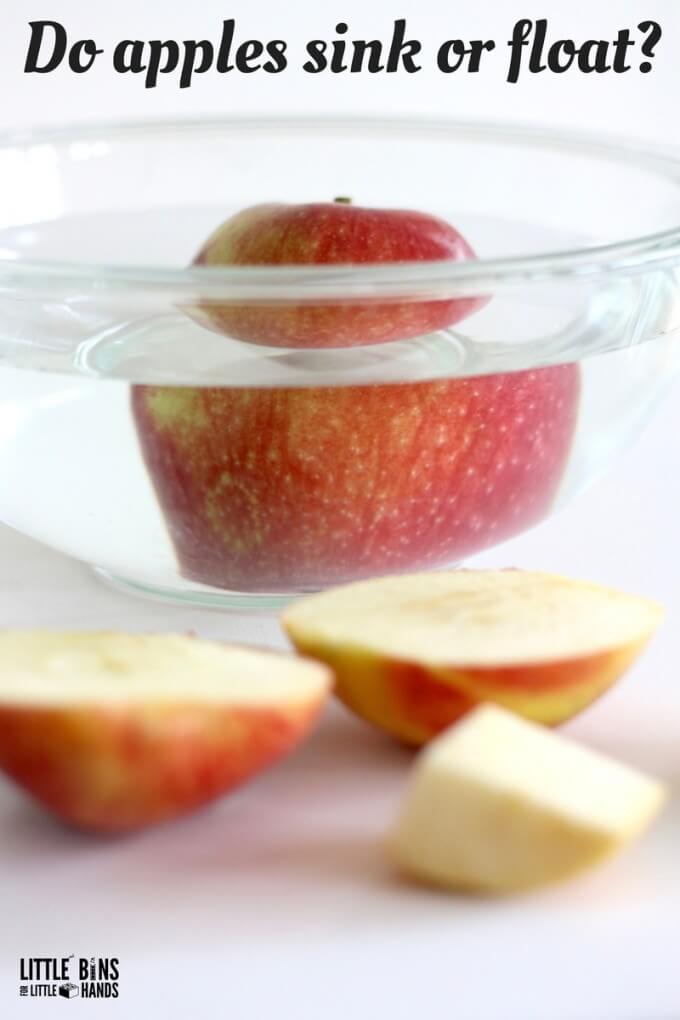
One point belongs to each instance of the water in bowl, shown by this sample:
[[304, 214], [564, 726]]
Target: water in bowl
[[77, 473]]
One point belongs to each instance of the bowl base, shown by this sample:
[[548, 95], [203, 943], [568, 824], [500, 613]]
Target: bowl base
[[242, 602]]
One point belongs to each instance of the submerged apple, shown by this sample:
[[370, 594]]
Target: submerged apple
[[281, 489], [333, 233], [275, 490]]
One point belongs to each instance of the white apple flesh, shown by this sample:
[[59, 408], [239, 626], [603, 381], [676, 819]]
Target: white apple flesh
[[498, 804]]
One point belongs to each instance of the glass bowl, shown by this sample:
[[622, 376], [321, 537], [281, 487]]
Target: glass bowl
[[183, 462]]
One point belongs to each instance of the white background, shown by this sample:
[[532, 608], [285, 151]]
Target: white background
[[277, 903]]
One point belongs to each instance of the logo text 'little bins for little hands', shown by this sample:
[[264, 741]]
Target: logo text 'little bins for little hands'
[[68, 977]]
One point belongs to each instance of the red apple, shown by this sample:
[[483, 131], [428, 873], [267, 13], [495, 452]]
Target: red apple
[[276, 490], [412, 654], [332, 234], [114, 732]]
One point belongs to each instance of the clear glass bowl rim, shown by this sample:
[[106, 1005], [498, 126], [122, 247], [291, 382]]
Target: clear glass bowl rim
[[418, 280]]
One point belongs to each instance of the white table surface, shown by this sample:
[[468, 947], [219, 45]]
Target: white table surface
[[277, 902]]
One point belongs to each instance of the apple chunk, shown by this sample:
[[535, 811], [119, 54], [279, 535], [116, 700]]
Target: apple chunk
[[117, 731], [412, 654], [499, 804]]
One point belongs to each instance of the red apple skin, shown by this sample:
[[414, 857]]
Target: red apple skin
[[113, 770], [332, 234], [415, 703], [297, 489]]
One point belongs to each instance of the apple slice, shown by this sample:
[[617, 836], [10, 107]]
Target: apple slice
[[117, 731], [498, 804], [412, 654]]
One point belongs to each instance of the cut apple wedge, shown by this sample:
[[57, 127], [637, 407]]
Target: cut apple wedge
[[118, 731], [413, 653], [498, 804]]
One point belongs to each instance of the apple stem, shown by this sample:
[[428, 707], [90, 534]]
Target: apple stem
[[343, 200]]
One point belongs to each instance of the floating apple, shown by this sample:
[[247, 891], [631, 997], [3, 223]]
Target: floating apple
[[332, 233], [498, 805], [282, 489], [412, 654], [114, 732]]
